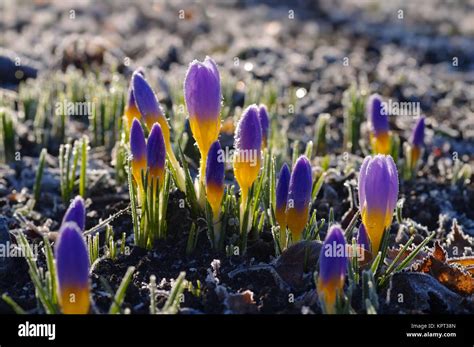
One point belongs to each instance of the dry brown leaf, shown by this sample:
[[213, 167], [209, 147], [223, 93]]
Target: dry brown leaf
[[457, 241], [466, 262], [452, 276], [242, 303]]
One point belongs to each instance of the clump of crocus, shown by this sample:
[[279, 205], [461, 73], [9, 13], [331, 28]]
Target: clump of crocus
[[332, 268], [265, 124], [131, 110], [138, 150], [202, 93], [156, 155], [281, 198], [248, 145], [215, 184], [152, 113], [76, 212], [415, 147], [379, 128], [378, 192], [299, 197]]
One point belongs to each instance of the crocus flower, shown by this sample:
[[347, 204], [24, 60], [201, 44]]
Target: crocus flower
[[264, 123], [72, 266], [76, 212], [152, 113], [156, 155], [363, 239], [215, 178], [417, 142], [299, 197], [138, 149], [378, 192], [131, 109], [147, 102], [380, 132], [281, 196], [202, 93], [248, 144], [332, 268]]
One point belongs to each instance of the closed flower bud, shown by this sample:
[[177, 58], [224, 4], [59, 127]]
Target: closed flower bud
[[248, 144], [202, 93], [72, 266], [299, 197], [363, 239], [156, 154], [265, 124], [282, 196], [417, 141], [378, 192], [332, 268], [131, 109], [138, 149], [380, 132], [76, 213], [215, 178]]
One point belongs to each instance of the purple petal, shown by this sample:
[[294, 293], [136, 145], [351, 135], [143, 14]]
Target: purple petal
[[156, 149], [393, 186], [363, 238], [248, 135], [417, 137], [215, 165], [72, 260], [264, 120], [377, 184], [145, 98], [378, 120], [362, 174], [137, 141], [76, 213], [202, 90], [333, 257], [301, 182], [282, 187]]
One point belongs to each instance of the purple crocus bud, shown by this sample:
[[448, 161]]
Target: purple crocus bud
[[378, 194], [264, 123], [138, 149], [76, 213], [332, 268], [156, 154], [131, 110], [282, 196], [215, 178], [418, 135], [248, 144], [363, 239], [380, 135], [202, 93], [146, 101], [299, 197], [72, 267], [417, 141]]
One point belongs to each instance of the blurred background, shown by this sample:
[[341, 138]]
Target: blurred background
[[420, 51]]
